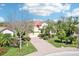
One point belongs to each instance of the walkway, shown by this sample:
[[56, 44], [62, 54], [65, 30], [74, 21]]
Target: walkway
[[45, 48]]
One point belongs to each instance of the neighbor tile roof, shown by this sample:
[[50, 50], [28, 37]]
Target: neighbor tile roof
[[37, 23]]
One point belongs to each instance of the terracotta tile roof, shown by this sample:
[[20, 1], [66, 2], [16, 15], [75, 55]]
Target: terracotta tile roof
[[37, 23]]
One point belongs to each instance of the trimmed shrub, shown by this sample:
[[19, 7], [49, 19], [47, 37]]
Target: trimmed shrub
[[41, 35], [71, 39], [45, 37], [28, 38]]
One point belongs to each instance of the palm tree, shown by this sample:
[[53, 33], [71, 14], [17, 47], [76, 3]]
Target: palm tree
[[5, 40], [1, 37], [65, 29]]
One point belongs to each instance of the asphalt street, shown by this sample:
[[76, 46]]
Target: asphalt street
[[65, 53]]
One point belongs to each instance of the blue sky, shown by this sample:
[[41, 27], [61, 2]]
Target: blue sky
[[41, 11]]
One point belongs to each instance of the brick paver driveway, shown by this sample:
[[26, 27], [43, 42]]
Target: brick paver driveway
[[45, 48], [42, 46]]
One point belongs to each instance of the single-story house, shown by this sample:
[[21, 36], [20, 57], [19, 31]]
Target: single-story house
[[5, 30]]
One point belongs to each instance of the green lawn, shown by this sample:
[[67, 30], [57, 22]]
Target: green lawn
[[24, 51], [57, 44]]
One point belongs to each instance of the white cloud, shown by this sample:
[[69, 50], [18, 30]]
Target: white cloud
[[2, 19], [37, 19], [74, 12], [45, 9], [2, 4]]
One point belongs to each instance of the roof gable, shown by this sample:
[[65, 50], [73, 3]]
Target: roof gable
[[7, 29]]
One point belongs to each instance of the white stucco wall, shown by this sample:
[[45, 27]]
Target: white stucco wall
[[36, 29], [8, 32], [43, 25]]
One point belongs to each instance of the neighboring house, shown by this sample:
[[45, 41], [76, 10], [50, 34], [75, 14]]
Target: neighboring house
[[5, 30], [39, 25]]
